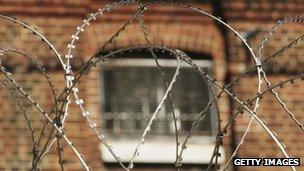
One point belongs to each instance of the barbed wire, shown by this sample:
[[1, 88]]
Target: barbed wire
[[59, 112]]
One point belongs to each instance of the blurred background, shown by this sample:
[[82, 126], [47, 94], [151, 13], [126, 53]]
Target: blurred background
[[123, 92]]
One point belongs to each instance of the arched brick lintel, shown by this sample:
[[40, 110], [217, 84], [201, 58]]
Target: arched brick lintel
[[195, 37]]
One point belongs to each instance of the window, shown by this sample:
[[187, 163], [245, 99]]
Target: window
[[132, 89]]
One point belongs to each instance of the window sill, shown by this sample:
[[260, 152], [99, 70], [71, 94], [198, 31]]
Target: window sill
[[160, 151]]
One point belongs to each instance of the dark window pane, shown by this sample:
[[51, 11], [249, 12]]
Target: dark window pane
[[133, 93]]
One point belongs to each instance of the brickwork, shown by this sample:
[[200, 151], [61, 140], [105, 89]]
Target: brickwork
[[258, 143], [173, 27]]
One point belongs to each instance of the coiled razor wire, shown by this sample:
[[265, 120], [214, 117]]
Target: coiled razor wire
[[70, 93]]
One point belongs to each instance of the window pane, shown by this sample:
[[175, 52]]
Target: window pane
[[133, 93]]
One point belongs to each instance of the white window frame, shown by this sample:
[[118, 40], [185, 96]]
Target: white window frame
[[200, 148]]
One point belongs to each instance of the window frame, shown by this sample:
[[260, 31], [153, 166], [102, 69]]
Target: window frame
[[199, 142]]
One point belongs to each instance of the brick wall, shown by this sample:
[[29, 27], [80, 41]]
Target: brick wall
[[262, 15], [173, 27]]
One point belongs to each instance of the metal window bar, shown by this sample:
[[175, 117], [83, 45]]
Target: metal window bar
[[132, 89]]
